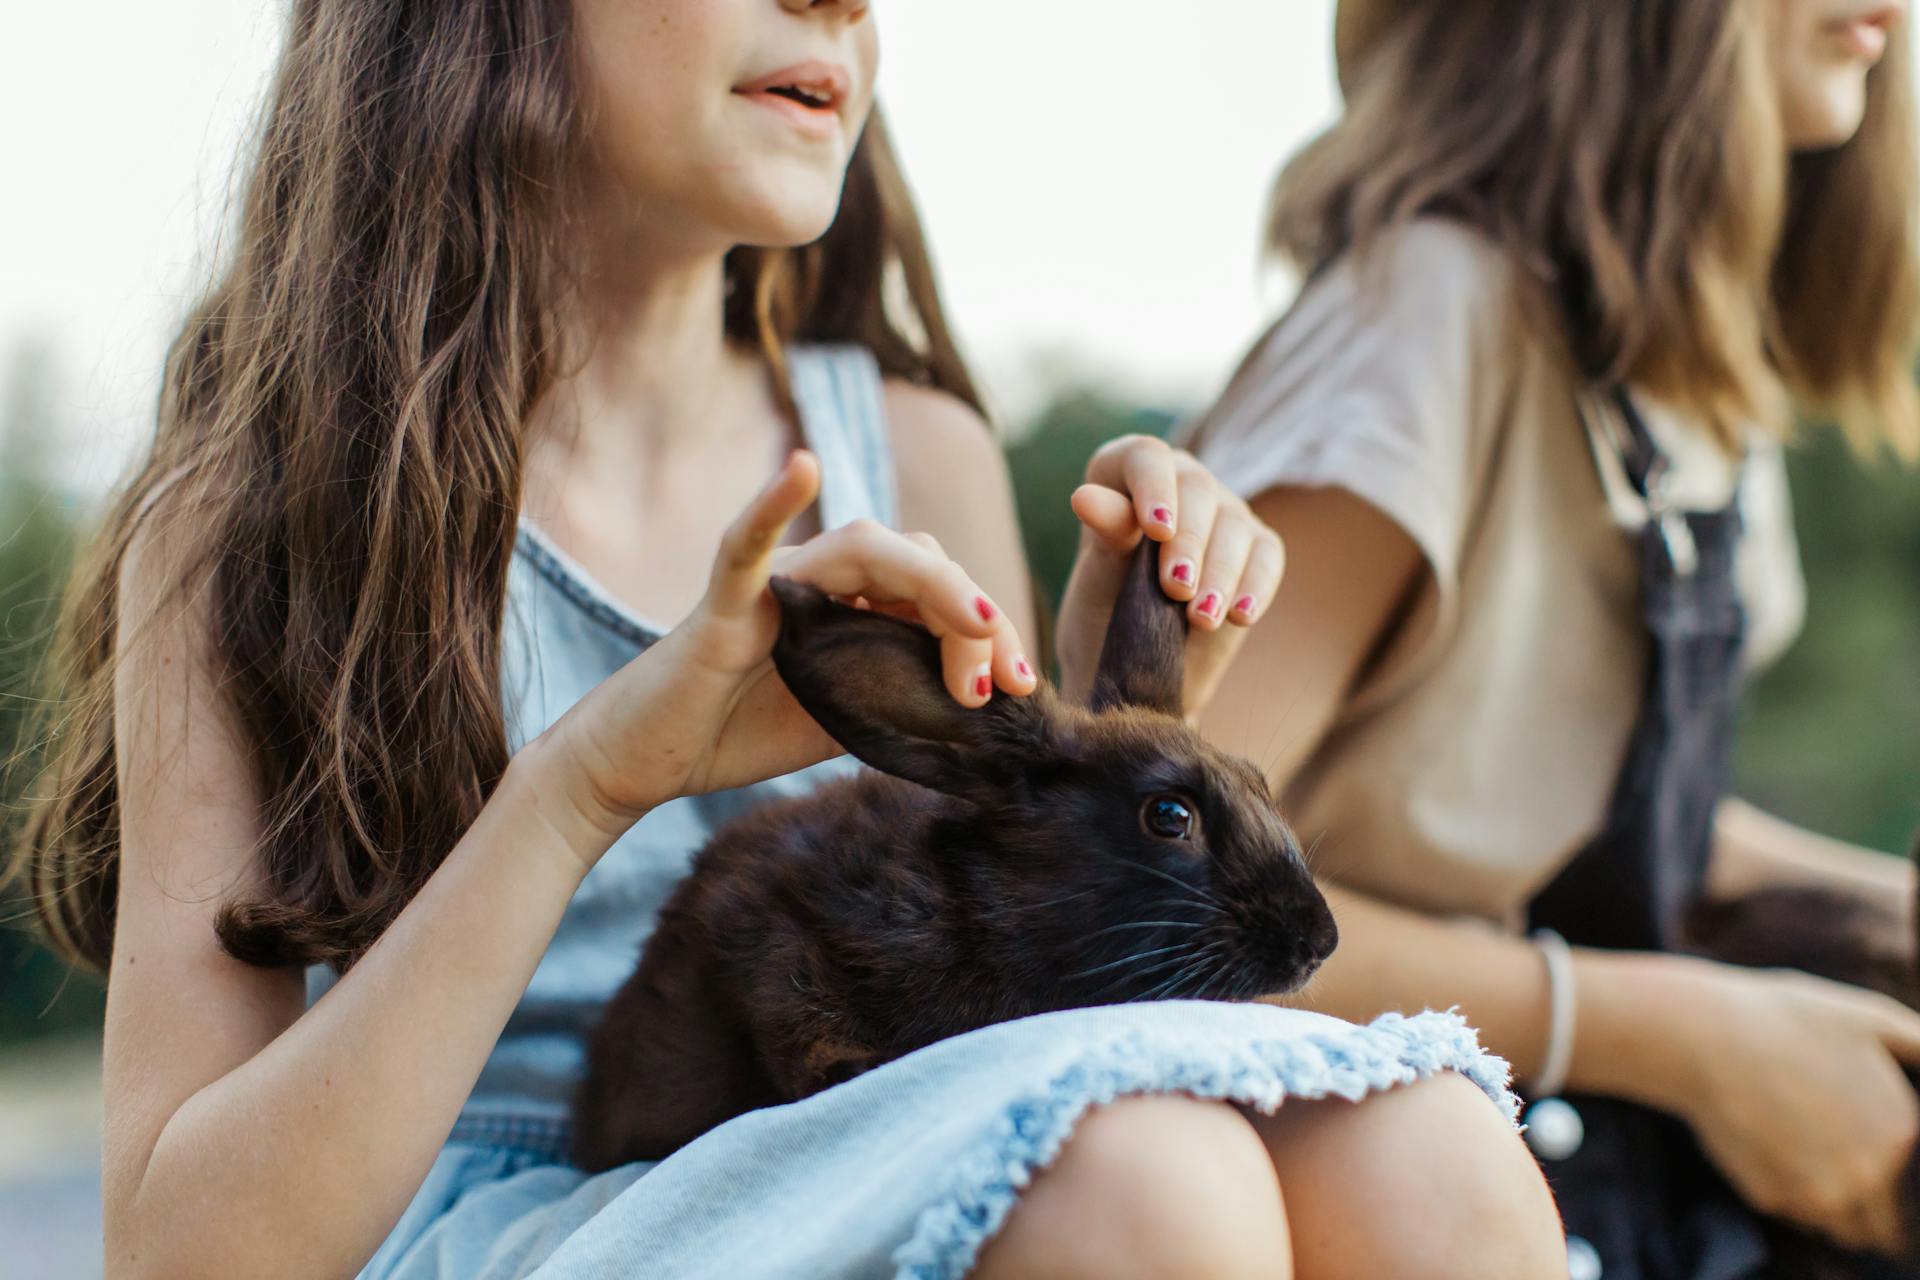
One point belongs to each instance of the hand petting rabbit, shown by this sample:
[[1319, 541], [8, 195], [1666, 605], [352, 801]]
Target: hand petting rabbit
[[1215, 556], [1842, 939], [1015, 858]]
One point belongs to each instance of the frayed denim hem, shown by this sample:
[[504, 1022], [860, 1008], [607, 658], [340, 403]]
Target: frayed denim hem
[[1351, 1063]]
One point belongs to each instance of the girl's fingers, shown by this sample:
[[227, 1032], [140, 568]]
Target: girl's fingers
[[868, 559], [1898, 1029], [1184, 558], [1108, 514], [973, 668], [745, 561], [967, 667], [1227, 553], [900, 574], [1877, 1224], [1144, 467], [1260, 580]]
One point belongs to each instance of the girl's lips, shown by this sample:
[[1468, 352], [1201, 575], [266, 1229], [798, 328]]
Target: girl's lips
[[817, 121], [1865, 35], [809, 94], [1864, 40]]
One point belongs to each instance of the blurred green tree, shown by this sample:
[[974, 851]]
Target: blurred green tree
[[1832, 732], [39, 996]]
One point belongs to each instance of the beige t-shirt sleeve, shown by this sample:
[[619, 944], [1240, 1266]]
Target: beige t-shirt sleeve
[[1387, 378]]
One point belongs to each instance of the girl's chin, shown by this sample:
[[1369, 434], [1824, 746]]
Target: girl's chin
[[1826, 117], [787, 225]]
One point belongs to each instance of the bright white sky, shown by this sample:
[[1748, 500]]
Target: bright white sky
[[1091, 171]]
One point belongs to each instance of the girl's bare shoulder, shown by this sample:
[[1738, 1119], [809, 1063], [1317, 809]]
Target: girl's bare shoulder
[[954, 484], [932, 429], [947, 459]]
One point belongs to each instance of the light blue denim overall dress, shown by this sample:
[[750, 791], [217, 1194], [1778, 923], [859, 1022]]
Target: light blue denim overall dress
[[904, 1171]]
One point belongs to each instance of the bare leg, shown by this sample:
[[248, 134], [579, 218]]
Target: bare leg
[[1424, 1182], [1150, 1188]]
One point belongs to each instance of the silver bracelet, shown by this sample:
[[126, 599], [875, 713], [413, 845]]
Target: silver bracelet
[[1552, 1076]]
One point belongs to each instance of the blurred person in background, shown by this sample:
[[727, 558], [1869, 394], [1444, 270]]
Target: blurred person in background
[[1570, 270], [420, 655]]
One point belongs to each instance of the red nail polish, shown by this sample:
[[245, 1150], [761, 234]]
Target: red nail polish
[[1163, 515], [1211, 605], [1243, 605], [984, 609], [982, 686], [1183, 571], [1024, 669]]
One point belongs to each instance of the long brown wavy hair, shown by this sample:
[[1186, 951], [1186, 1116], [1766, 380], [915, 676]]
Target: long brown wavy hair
[[1629, 157], [340, 430]]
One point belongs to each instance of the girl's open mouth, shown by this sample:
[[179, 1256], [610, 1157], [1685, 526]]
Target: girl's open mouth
[[809, 94]]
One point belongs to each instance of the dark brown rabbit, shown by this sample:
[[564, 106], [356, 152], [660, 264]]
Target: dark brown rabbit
[[1027, 856], [1844, 939]]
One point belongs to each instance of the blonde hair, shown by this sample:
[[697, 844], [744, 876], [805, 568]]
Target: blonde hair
[[1629, 157]]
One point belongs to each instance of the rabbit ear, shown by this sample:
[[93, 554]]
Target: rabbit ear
[[874, 683], [1143, 662]]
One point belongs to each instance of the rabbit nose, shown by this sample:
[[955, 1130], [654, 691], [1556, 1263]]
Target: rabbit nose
[[1325, 934], [1311, 950]]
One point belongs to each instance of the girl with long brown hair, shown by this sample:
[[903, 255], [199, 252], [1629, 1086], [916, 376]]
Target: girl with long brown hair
[[1567, 268], [420, 655]]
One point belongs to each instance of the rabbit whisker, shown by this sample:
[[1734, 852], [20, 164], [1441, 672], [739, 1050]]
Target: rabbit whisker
[[1126, 960], [1195, 967], [1209, 976], [1200, 972], [1147, 972], [1148, 924], [1054, 902], [1165, 988], [1180, 884]]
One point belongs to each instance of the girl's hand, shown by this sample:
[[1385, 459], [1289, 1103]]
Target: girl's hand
[[1216, 556], [704, 709], [1793, 1085]]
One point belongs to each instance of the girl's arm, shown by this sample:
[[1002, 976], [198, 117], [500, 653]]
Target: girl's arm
[[242, 1137], [1792, 1083], [246, 1137], [1755, 850]]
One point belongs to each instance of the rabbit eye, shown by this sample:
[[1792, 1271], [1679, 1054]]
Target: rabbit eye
[[1168, 817]]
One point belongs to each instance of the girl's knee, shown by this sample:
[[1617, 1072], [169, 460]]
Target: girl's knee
[[1424, 1182], [1150, 1187], [1492, 1206]]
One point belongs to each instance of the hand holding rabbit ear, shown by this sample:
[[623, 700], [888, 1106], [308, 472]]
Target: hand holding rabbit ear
[[1216, 556], [704, 710]]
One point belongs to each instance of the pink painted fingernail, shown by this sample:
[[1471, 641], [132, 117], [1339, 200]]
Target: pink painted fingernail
[[1183, 571], [1210, 605], [983, 681], [1163, 515], [1022, 667], [1244, 605], [982, 607]]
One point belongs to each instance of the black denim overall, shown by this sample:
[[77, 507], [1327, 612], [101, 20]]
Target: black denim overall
[[1638, 1189]]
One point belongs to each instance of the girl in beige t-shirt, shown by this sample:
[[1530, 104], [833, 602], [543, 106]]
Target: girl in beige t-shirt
[[1524, 207]]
